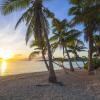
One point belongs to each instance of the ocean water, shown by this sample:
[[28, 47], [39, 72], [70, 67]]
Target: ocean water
[[19, 67]]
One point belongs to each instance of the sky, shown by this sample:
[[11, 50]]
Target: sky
[[11, 39]]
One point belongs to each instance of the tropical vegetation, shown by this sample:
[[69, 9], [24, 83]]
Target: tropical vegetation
[[35, 17], [87, 12], [64, 35]]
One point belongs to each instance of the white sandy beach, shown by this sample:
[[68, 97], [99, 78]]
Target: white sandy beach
[[35, 86]]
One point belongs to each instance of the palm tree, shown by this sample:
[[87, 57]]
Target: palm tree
[[35, 16], [75, 47], [38, 51], [87, 12], [62, 36], [97, 44]]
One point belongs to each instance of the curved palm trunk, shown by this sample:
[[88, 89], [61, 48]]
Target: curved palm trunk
[[76, 55], [45, 61], [39, 29], [69, 59], [90, 64], [83, 61], [77, 64], [97, 50], [52, 76], [62, 66]]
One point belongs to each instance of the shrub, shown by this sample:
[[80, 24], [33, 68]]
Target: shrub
[[96, 63]]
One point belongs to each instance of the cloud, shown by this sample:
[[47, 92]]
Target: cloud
[[9, 37]]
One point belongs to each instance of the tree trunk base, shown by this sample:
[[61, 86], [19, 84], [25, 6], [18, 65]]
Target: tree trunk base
[[72, 70], [91, 73], [52, 79]]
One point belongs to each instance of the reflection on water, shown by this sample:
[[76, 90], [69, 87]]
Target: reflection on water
[[19, 67], [3, 68]]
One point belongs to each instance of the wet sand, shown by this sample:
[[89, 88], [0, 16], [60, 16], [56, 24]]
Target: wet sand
[[78, 85]]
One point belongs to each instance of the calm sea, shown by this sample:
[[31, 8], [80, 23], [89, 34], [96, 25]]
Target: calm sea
[[19, 67]]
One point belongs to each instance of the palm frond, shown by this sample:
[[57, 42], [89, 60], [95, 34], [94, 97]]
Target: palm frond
[[34, 54], [26, 16], [8, 6], [48, 13]]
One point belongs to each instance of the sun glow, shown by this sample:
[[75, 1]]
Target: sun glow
[[6, 54], [3, 68]]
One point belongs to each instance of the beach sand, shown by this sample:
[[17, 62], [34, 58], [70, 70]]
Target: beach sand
[[34, 86]]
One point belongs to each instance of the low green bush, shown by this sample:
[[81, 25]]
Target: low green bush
[[96, 64]]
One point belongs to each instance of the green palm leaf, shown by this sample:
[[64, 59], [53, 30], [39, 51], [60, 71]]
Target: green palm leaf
[[9, 6]]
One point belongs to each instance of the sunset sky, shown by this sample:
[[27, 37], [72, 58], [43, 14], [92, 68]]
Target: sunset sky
[[11, 39]]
